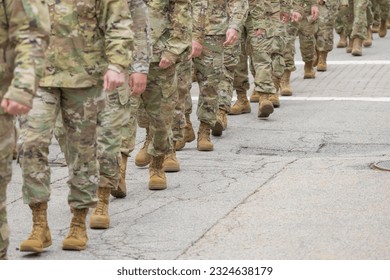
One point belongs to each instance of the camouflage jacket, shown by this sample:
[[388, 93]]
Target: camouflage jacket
[[170, 25], [142, 41], [87, 36], [225, 14], [24, 35], [304, 6], [272, 22], [199, 8]]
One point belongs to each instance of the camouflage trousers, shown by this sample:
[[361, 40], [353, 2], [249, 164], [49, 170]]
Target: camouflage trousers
[[157, 108], [340, 22], [209, 73], [129, 127], [241, 72], [267, 59], [184, 75], [79, 109], [325, 25], [381, 9], [109, 137], [7, 142], [356, 19], [231, 58], [305, 31]]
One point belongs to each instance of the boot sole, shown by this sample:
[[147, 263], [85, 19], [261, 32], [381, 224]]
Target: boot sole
[[217, 129], [99, 226], [141, 163], [73, 248], [171, 168], [118, 193], [246, 111], [35, 249], [157, 187], [266, 111]]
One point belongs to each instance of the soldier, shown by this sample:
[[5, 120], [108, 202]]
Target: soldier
[[231, 58], [356, 25], [137, 82], [324, 31], [305, 30], [88, 53], [221, 30], [171, 37], [116, 114], [24, 34]]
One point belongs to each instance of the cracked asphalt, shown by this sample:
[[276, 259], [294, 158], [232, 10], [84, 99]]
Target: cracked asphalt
[[298, 185]]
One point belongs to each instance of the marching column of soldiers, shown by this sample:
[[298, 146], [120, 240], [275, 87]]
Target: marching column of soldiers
[[89, 72]]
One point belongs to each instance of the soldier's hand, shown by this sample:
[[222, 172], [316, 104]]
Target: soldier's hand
[[284, 17], [137, 83], [231, 37], [113, 79], [295, 16], [165, 63], [314, 12], [259, 32], [14, 108], [196, 50]]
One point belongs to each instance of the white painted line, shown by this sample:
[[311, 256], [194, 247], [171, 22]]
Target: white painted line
[[353, 62], [330, 98], [326, 98]]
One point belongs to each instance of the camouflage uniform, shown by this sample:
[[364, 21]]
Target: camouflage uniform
[[76, 89], [170, 38], [24, 33], [305, 30], [326, 22], [209, 67], [141, 59], [231, 58], [357, 19]]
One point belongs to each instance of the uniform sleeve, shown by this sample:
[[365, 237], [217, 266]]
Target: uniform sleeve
[[180, 34], [238, 10], [199, 8], [142, 40], [258, 14], [29, 32], [115, 21]]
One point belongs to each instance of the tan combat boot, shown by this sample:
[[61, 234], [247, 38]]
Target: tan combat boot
[[309, 72], [254, 98], [171, 163], [368, 41], [120, 191], [241, 106], [285, 87], [357, 47], [100, 219], [349, 47], [143, 158], [265, 106], [40, 236], [322, 66], [188, 135], [388, 23], [274, 98], [204, 142], [382, 29], [77, 237], [157, 179], [3, 254], [342, 43], [220, 124]]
